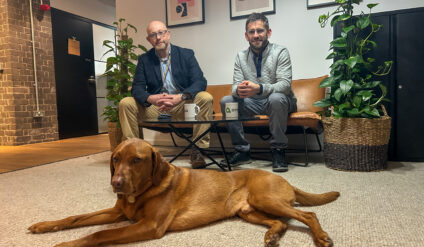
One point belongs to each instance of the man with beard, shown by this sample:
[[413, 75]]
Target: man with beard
[[261, 86], [166, 78]]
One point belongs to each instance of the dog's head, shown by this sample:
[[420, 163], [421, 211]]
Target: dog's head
[[135, 166]]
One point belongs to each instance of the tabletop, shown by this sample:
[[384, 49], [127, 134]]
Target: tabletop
[[210, 119]]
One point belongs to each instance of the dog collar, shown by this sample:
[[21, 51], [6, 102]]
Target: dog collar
[[131, 199]]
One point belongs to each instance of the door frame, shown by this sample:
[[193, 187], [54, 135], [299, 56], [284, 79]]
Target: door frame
[[90, 22]]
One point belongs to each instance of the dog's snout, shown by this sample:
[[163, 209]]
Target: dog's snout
[[118, 182]]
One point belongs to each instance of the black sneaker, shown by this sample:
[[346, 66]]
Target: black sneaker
[[238, 158], [278, 162]]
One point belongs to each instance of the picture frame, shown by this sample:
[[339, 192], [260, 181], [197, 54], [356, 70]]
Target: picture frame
[[312, 4], [242, 8], [184, 12]]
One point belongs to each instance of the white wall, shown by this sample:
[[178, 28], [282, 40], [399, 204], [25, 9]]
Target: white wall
[[98, 10], [217, 42]]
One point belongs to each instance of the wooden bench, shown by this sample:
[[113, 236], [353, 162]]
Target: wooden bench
[[304, 121]]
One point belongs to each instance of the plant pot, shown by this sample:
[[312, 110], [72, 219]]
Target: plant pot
[[115, 135], [356, 144]]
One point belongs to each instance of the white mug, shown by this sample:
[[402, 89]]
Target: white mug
[[231, 110], [191, 111]]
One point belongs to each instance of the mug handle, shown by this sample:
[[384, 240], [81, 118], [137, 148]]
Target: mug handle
[[196, 110]]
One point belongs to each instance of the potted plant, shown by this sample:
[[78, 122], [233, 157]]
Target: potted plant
[[356, 125], [120, 70]]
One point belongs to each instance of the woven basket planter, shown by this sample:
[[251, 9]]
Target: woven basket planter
[[115, 134], [356, 144]]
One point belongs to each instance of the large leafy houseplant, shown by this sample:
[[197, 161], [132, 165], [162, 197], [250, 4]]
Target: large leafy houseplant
[[120, 68], [356, 126], [355, 91]]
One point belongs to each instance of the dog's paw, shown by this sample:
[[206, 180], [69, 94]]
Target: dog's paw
[[324, 241], [272, 240], [67, 244], [41, 227]]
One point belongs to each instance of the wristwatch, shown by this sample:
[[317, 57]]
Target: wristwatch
[[184, 96]]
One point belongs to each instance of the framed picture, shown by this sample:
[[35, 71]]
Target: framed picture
[[310, 4], [184, 12], [243, 8]]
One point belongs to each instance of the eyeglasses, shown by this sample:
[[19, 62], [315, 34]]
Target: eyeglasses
[[260, 31], [158, 34]]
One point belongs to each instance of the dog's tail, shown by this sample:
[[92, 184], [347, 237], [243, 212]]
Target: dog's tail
[[308, 199]]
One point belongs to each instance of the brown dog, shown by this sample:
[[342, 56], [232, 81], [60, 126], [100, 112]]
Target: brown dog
[[161, 197]]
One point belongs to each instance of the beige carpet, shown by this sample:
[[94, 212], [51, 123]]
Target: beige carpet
[[375, 209]]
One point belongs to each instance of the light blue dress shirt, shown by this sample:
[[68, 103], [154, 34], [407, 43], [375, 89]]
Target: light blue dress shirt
[[166, 73]]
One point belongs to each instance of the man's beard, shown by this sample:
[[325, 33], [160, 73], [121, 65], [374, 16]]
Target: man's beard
[[260, 48], [161, 46]]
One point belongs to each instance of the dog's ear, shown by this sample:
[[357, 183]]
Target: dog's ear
[[160, 167], [112, 168]]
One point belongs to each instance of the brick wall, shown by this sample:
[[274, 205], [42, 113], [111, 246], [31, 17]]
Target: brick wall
[[17, 90]]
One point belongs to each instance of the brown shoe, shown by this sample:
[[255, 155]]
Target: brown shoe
[[196, 159]]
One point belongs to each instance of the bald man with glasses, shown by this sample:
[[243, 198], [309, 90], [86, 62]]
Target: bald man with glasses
[[166, 78]]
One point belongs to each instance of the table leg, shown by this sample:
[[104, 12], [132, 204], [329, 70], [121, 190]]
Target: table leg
[[193, 144], [222, 146]]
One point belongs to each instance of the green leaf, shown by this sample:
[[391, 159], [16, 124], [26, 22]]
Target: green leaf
[[338, 94], [344, 17], [357, 100], [338, 77], [143, 48], [363, 22], [383, 89], [344, 105], [374, 112], [339, 42], [348, 29], [357, 86], [372, 84], [327, 82], [331, 55], [345, 86], [371, 5], [337, 114], [133, 56], [322, 18], [376, 27], [322, 103], [334, 20], [351, 62], [337, 63], [366, 94], [353, 112], [131, 26], [372, 43]]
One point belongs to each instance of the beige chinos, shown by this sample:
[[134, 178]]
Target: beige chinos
[[131, 113]]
